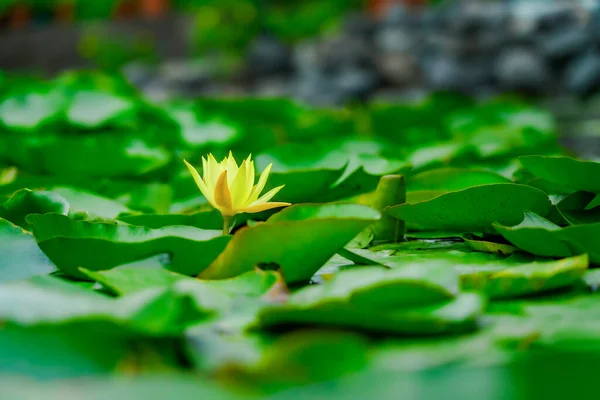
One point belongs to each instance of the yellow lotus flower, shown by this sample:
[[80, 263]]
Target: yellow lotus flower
[[230, 189]]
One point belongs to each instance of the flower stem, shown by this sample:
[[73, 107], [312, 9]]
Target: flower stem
[[226, 224]]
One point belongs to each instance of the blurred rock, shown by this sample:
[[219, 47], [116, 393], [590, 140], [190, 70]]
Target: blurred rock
[[444, 72], [468, 19], [594, 24], [187, 76], [476, 72], [396, 15], [139, 74], [556, 18], [344, 51], [158, 91], [355, 82], [273, 87], [317, 89], [394, 39], [267, 56], [521, 68], [359, 25], [564, 43], [481, 48], [413, 95], [398, 69], [430, 18], [306, 57], [583, 74]]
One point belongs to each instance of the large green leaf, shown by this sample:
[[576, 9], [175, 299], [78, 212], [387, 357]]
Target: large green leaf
[[351, 166], [452, 179], [84, 203], [59, 352], [31, 110], [95, 109], [101, 246], [156, 311], [475, 209], [20, 257], [303, 351], [566, 171], [411, 299], [125, 280], [378, 287], [526, 279], [25, 202], [431, 184], [457, 315], [539, 236], [323, 229], [101, 155], [494, 274], [579, 208], [204, 220]]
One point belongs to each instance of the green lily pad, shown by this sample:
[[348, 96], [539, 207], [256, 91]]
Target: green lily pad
[[535, 277], [124, 280], [457, 315], [475, 209], [20, 257], [25, 202], [95, 109], [374, 298], [204, 220], [293, 229], [101, 246], [299, 169], [566, 171], [278, 368], [87, 155], [89, 204], [59, 353], [32, 110], [452, 179], [578, 208], [541, 237], [393, 289], [162, 311]]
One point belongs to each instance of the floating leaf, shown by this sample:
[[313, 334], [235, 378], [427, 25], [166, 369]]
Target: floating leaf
[[158, 311], [25, 202], [476, 208], [279, 366], [535, 277], [20, 257], [539, 236], [124, 280], [457, 315], [87, 156], [101, 246], [452, 179], [577, 208], [576, 174], [31, 110], [294, 230], [95, 109], [90, 204], [59, 353]]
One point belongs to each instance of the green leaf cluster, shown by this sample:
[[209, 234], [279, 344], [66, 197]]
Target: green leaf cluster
[[445, 245]]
